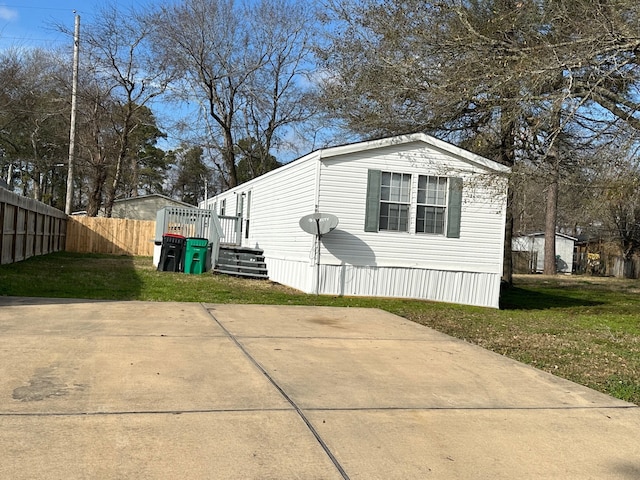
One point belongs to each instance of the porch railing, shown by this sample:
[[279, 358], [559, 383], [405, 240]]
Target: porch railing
[[231, 229]]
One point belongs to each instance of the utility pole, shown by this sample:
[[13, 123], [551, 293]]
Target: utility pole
[[74, 107]]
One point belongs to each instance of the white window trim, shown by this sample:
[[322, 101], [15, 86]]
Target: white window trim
[[452, 212], [444, 205]]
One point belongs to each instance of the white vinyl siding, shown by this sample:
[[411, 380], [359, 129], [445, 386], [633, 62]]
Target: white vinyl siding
[[278, 200], [481, 225]]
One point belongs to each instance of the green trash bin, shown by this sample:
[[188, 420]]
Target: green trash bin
[[196, 257]]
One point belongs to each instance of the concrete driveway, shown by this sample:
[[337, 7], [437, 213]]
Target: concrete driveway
[[141, 390]]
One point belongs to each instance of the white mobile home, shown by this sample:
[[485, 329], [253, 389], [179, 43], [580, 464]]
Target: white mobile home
[[418, 218]]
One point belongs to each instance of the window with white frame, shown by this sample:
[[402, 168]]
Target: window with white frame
[[431, 204], [395, 199], [435, 203]]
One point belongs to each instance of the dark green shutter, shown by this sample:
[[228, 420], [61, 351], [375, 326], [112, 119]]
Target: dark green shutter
[[372, 213], [454, 209]]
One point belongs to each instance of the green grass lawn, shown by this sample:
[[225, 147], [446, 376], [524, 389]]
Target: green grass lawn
[[586, 329]]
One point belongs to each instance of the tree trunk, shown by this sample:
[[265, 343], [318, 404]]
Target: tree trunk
[[551, 213], [112, 191], [550, 227], [95, 195], [37, 184], [507, 158], [113, 188], [37, 174], [230, 158], [507, 265], [135, 176]]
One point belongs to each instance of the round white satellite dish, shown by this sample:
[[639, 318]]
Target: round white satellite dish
[[318, 223]]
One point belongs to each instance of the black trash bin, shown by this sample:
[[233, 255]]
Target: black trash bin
[[172, 253]]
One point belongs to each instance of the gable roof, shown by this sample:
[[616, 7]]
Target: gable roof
[[542, 234], [449, 148], [152, 195]]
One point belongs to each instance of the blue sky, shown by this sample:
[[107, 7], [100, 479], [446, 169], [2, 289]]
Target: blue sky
[[30, 23]]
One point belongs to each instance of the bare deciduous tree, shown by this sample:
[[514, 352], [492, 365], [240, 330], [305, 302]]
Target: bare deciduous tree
[[33, 119], [116, 46], [242, 63]]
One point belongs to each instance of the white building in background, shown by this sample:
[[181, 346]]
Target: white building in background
[[534, 243]]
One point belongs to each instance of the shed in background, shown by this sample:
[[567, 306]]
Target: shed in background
[[534, 243], [144, 207]]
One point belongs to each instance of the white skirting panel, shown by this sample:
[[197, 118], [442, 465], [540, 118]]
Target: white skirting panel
[[469, 288], [296, 274]]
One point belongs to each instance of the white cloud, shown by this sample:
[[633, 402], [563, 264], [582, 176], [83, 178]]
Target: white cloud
[[8, 14]]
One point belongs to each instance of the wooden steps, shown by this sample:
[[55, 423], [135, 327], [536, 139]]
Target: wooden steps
[[241, 262]]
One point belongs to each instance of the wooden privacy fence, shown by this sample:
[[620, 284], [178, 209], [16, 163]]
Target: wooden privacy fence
[[625, 268], [29, 228], [117, 236]]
